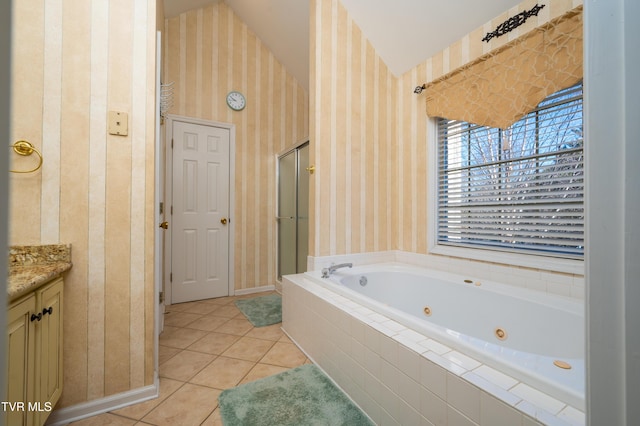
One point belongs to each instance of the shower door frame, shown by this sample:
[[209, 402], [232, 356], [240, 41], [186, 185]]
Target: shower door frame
[[287, 151]]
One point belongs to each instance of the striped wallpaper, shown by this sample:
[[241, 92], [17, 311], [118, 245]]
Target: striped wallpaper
[[73, 61], [369, 133], [353, 138], [209, 52]]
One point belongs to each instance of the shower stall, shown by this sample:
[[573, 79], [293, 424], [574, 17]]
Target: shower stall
[[292, 215]]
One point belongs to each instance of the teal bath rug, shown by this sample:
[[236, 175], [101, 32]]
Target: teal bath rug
[[300, 396], [262, 310]]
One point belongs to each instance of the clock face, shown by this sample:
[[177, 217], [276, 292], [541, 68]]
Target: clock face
[[236, 101]]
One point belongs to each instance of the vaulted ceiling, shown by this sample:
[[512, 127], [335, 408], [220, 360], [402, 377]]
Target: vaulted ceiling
[[403, 32]]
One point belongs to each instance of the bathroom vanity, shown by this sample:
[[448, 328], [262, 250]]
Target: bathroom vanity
[[34, 338]]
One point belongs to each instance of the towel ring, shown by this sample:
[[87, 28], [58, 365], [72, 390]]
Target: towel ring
[[25, 149]]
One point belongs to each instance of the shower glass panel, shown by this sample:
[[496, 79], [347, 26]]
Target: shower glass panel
[[286, 215], [293, 211]]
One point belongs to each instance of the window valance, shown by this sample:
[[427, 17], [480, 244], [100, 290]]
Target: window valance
[[501, 86]]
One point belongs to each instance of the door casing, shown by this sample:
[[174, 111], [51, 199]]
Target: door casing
[[171, 119]]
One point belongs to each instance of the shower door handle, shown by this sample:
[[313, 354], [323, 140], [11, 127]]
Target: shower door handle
[[283, 217]]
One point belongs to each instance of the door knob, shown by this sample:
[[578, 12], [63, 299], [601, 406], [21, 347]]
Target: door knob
[[223, 221], [164, 225]]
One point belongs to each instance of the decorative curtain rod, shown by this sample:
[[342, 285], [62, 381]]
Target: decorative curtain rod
[[513, 23], [502, 29]]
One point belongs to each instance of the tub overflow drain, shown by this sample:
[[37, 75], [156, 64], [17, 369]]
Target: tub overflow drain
[[363, 281], [500, 333], [427, 311]]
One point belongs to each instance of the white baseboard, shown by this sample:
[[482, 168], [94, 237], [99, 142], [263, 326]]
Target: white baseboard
[[243, 291], [73, 413]]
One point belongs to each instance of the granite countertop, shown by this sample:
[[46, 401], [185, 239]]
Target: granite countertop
[[32, 266]]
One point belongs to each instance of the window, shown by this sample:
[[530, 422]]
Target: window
[[519, 189]]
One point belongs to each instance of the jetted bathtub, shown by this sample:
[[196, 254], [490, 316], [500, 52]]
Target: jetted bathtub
[[534, 337]]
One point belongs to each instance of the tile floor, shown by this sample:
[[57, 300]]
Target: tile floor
[[206, 347]]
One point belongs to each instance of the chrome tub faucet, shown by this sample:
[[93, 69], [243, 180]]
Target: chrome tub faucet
[[331, 269]]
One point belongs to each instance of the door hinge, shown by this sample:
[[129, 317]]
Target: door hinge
[[172, 210], [171, 143], [161, 298], [171, 277]]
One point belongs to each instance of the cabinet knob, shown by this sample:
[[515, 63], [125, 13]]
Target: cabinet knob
[[48, 310], [35, 317]]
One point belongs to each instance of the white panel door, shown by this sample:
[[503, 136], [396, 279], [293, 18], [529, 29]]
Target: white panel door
[[200, 236]]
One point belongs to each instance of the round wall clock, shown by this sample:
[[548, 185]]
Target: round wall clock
[[236, 101]]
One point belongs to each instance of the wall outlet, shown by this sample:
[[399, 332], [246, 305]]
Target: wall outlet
[[118, 123]]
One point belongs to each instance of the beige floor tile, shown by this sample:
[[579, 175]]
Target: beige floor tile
[[214, 343], [214, 419], [249, 349], [179, 307], [239, 327], [226, 311], [260, 371], [189, 405], [271, 332], [106, 419], [285, 339], [223, 373], [166, 352], [177, 337], [284, 355], [138, 411], [219, 301], [201, 308], [207, 323], [179, 319], [185, 365], [191, 348]]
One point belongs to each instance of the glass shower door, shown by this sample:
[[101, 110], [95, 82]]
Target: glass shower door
[[286, 215], [293, 211]]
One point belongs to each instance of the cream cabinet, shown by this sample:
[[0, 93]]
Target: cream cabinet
[[34, 349]]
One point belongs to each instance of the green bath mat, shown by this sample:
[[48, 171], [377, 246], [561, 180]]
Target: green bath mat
[[262, 310], [300, 396]]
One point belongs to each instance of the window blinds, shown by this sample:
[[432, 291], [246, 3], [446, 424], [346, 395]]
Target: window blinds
[[520, 188]]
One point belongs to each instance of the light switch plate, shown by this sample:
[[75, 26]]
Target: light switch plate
[[118, 123]]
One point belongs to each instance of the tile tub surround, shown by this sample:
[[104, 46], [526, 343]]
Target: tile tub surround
[[399, 377], [31, 266], [570, 285]]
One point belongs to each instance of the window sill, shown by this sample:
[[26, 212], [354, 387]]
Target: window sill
[[546, 263]]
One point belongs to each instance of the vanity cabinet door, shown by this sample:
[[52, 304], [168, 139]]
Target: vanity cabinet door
[[49, 375], [20, 363], [34, 349]]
